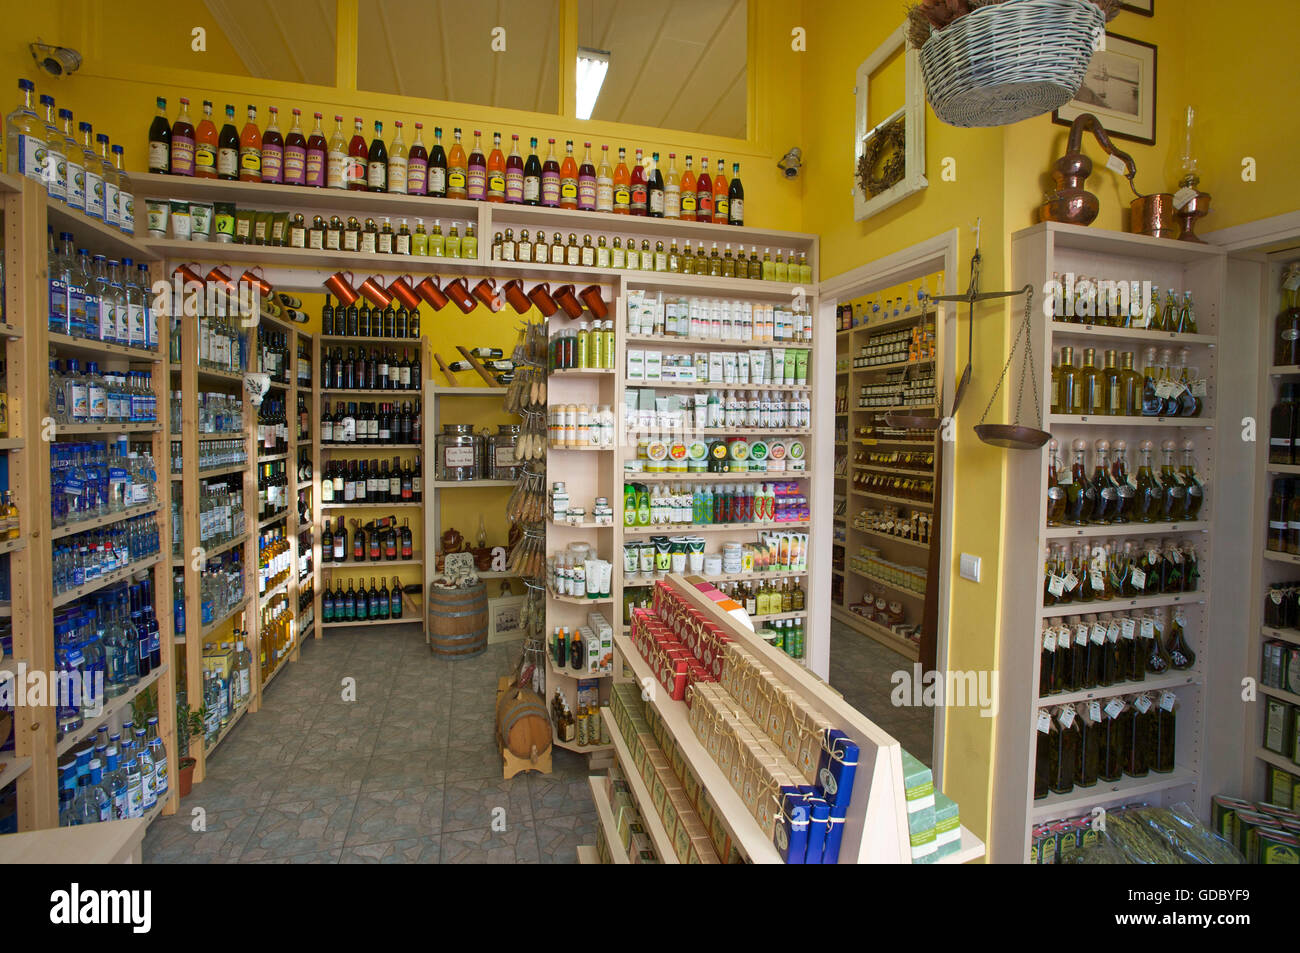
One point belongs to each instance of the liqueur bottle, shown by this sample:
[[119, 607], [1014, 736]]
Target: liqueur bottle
[[1056, 498], [1149, 501], [1125, 485], [1107, 490], [1174, 505], [1080, 494]]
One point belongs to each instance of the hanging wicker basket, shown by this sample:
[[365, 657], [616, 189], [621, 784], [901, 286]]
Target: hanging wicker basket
[[1010, 61]]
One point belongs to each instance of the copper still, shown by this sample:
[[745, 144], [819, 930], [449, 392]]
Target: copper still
[[1071, 202]]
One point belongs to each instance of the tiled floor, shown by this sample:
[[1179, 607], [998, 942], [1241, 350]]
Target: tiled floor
[[408, 772]]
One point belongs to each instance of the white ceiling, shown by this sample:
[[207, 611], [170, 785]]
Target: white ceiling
[[675, 64]]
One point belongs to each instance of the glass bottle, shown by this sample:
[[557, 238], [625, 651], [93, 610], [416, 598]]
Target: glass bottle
[[1125, 485], [250, 149], [1130, 387], [315, 156], [1112, 388], [1279, 534], [1092, 393], [1152, 395], [272, 149], [1107, 489], [1149, 502], [457, 168], [1189, 403], [1080, 494], [398, 161], [1192, 482], [1055, 491], [160, 138], [54, 169], [1170, 313], [1158, 661], [377, 162], [1174, 505], [1120, 566], [1065, 385]]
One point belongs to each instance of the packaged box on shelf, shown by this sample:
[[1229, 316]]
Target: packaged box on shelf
[[635, 364], [918, 789], [653, 365], [947, 825]]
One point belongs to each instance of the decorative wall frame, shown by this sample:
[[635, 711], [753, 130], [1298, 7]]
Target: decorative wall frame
[[911, 116]]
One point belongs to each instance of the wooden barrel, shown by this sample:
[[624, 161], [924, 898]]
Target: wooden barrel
[[522, 722], [458, 621]]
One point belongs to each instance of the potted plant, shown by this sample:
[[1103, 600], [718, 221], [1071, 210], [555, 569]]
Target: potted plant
[[189, 724]]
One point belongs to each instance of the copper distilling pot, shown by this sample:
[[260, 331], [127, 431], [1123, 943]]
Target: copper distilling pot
[[1153, 215], [1071, 202]]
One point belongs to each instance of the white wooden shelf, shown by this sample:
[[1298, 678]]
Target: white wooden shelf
[[1080, 799], [697, 343], [1127, 603], [1152, 683], [1204, 423], [1125, 529], [670, 528]]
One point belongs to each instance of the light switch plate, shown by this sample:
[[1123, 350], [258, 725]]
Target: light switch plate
[[970, 567]]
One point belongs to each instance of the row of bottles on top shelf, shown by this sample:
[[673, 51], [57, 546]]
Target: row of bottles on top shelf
[[358, 319], [360, 424], [371, 368], [1121, 304], [97, 298], [1112, 495], [86, 557], [254, 155], [360, 605], [221, 590], [72, 173], [1083, 572], [117, 775], [1081, 745], [368, 237], [380, 539], [96, 479], [1163, 389], [885, 308], [95, 397], [1083, 652], [373, 481], [110, 639]]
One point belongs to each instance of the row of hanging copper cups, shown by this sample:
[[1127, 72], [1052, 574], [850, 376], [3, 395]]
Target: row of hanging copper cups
[[221, 279], [457, 291]]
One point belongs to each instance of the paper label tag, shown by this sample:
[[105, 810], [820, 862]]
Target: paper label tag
[[1116, 165], [1098, 582], [1139, 578], [1065, 478], [1114, 707], [1056, 585], [1049, 641], [1081, 636], [1044, 721], [1198, 388], [1066, 716], [1094, 711], [1098, 635], [1100, 628], [1292, 281], [1148, 629], [1167, 700], [1127, 628], [1183, 196], [1071, 580], [1142, 703]]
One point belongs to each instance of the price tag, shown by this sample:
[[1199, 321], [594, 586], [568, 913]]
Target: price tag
[[1098, 581], [1094, 711], [1099, 635], [1071, 580], [1065, 478], [1292, 281], [1199, 388], [1114, 707], [1175, 556], [1152, 556], [1183, 196], [1056, 585], [1049, 640], [1044, 721], [1142, 703], [1081, 636], [1128, 628], [1276, 596], [1066, 716], [1116, 165], [1148, 629], [1167, 700], [1139, 578]]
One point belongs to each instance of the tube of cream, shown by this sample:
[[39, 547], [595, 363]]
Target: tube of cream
[[593, 578], [157, 212], [729, 368], [778, 365], [701, 410], [801, 367], [201, 220], [181, 220], [758, 364], [742, 368]]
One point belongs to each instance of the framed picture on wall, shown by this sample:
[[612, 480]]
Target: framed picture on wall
[[1119, 89], [1145, 7]]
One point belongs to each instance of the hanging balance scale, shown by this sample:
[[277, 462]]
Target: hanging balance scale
[[1017, 436]]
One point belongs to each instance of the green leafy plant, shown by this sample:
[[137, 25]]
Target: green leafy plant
[[189, 724]]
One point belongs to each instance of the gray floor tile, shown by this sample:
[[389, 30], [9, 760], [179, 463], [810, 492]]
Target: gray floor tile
[[558, 838], [480, 804], [515, 845], [300, 826], [395, 815], [407, 850]]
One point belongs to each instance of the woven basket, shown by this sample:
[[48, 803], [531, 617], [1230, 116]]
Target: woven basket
[[1010, 61]]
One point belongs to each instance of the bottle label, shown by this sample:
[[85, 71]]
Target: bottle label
[[638, 197], [356, 171], [622, 197], [476, 183], [568, 190], [135, 324], [250, 160], [158, 155], [496, 186], [182, 155], [54, 173], [417, 176], [456, 180], [515, 185], [112, 204], [657, 206], [94, 194], [336, 168], [377, 175], [550, 189], [76, 185], [438, 180], [587, 193], [736, 214], [688, 204], [722, 208], [205, 157], [295, 165], [397, 169]]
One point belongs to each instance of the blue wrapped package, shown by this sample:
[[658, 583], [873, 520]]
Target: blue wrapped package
[[820, 827], [836, 769]]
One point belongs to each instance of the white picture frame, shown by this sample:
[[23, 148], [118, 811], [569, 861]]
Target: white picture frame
[[506, 618], [913, 109]]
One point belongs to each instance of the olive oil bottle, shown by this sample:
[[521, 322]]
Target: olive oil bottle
[[1130, 387], [1125, 485], [1181, 656], [1174, 505], [1080, 494], [1107, 505], [1192, 482], [1067, 388], [1112, 388], [1055, 490], [1149, 502], [1092, 392], [1152, 401]]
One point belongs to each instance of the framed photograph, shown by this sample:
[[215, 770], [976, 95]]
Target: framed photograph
[[1146, 8], [506, 618], [1120, 90]]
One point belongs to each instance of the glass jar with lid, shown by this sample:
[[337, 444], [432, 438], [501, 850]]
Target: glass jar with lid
[[460, 453], [500, 455]]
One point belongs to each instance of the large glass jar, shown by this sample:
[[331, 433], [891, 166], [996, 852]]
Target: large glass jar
[[500, 455], [460, 453]]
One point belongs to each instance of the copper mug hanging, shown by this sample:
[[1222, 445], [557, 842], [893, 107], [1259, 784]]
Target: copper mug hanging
[[540, 295], [595, 303], [430, 292], [514, 293], [188, 276], [400, 288], [258, 281], [373, 288], [459, 294], [222, 280], [486, 291], [569, 301], [341, 284]]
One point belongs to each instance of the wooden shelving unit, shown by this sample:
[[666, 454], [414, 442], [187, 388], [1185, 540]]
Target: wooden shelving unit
[[29, 345], [1038, 253]]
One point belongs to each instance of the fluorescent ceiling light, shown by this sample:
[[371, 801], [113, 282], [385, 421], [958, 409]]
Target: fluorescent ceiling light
[[592, 67]]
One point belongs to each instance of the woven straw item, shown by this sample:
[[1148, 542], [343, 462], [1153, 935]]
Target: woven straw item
[[1010, 61]]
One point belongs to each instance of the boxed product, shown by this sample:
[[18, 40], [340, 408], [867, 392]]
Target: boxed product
[[947, 825], [918, 790]]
